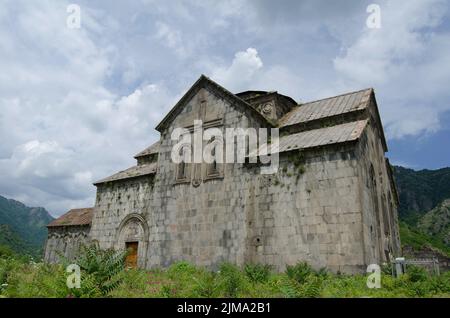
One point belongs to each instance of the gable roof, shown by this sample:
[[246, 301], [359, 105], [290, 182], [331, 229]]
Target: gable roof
[[319, 137], [132, 172], [205, 81], [327, 107], [154, 148], [74, 217]]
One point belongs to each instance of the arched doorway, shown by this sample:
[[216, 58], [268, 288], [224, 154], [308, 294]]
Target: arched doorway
[[133, 234]]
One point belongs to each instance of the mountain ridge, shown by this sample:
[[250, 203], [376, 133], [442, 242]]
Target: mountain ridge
[[23, 228], [420, 191], [424, 209]]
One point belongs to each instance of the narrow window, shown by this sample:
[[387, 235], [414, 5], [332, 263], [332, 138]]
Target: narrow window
[[213, 167], [182, 170], [182, 166]]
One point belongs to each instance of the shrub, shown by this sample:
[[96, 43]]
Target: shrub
[[138, 283], [311, 288], [289, 288], [36, 280], [206, 285], [181, 268], [5, 267], [299, 272], [323, 273], [168, 291], [444, 282], [419, 289], [416, 274], [231, 280], [100, 270], [29, 279], [6, 252], [387, 268], [184, 279], [258, 273]]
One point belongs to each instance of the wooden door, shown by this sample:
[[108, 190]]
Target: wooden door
[[131, 260]]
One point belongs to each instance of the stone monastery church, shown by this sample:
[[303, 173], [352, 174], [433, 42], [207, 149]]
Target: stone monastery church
[[332, 202]]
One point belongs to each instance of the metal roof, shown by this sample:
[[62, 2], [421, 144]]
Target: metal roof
[[319, 137], [132, 172], [154, 148], [314, 110], [74, 217], [327, 107]]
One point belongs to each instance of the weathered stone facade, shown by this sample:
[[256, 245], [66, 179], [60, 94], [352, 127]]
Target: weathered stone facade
[[332, 202], [67, 234]]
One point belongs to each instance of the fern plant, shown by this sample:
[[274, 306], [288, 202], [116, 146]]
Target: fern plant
[[290, 288], [299, 272], [258, 273], [206, 286], [231, 280], [100, 270], [311, 288]]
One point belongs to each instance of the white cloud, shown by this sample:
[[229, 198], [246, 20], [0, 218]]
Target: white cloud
[[76, 104], [407, 62], [88, 144], [61, 127], [241, 72], [247, 71], [172, 38]]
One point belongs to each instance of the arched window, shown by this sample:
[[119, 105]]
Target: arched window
[[213, 168], [182, 167]]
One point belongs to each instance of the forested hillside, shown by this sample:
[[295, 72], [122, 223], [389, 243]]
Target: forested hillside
[[23, 228]]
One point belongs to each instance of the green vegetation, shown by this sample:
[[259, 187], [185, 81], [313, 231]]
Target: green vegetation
[[103, 275], [420, 191], [100, 270], [424, 211], [23, 229], [436, 223], [9, 238], [411, 236]]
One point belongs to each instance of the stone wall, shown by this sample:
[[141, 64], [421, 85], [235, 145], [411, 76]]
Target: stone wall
[[428, 253], [379, 207], [121, 214], [310, 216], [205, 224], [66, 241]]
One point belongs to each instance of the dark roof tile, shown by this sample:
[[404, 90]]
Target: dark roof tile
[[74, 217]]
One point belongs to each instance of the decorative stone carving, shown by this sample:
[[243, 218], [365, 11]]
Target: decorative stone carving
[[196, 182], [134, 228], [267, 108]]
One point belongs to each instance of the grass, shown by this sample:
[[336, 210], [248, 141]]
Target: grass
[[410, 236], [24, 278]]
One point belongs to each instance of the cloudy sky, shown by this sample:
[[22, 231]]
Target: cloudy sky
[[77, 103]]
